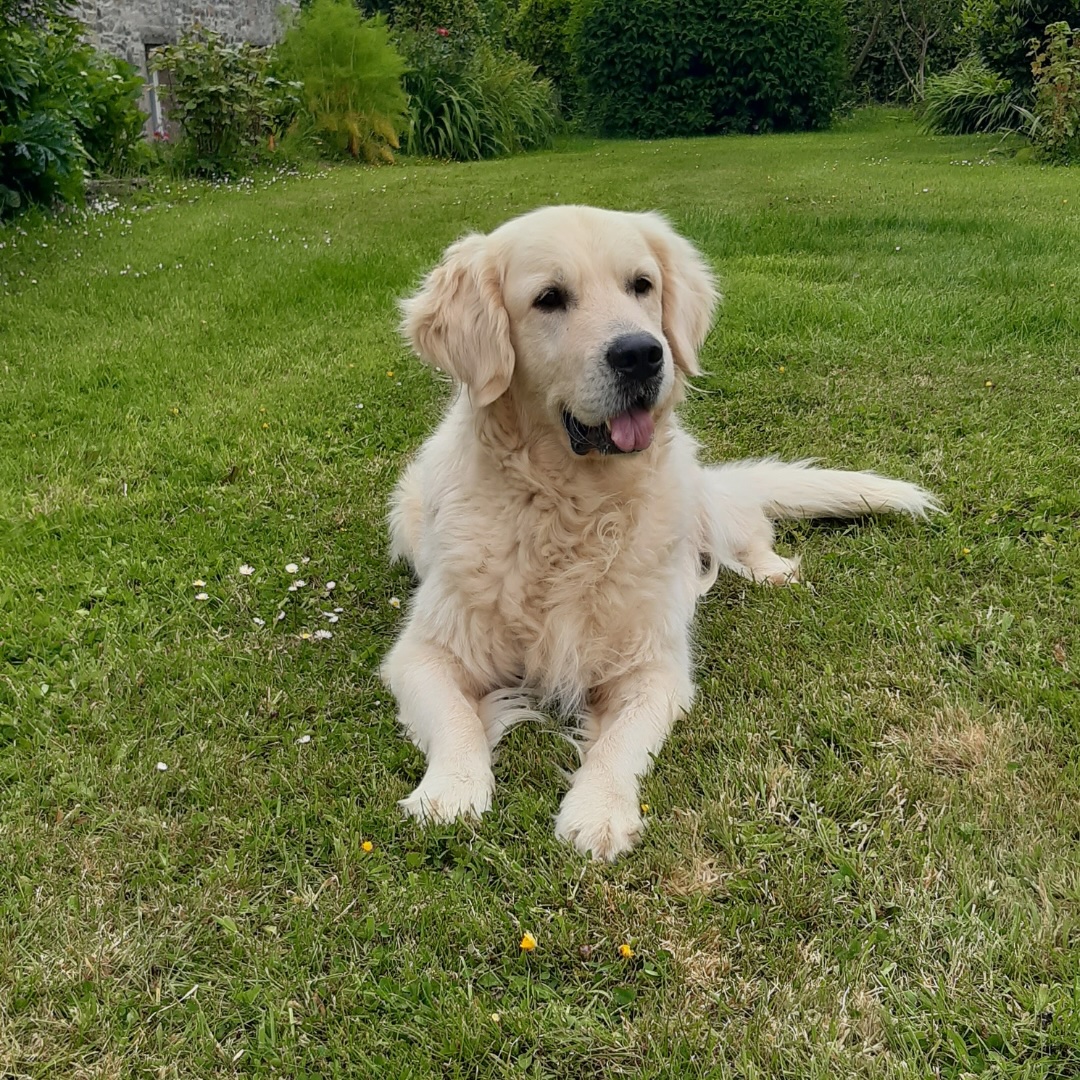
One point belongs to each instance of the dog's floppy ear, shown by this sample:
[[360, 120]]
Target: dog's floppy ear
[[457, 321], [688, 292]]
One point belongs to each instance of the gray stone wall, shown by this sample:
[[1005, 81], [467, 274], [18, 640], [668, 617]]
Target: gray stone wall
[[126, 27]]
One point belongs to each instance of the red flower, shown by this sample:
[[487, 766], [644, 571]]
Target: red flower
[[442, 32]]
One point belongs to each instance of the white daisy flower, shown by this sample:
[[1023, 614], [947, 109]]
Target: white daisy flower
[[304, 740], [322, 635], [395, 602], [330, 616], [259, 622], [291, 568], [246, 570], [161, 767], [202, 596], [198, 583], [330, 586]]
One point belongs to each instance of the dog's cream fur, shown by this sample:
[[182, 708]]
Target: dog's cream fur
[[544, 574]]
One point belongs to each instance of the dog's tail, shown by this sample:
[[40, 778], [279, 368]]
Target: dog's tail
[[798, 490]]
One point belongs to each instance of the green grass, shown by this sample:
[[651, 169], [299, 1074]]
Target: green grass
[[862, 858]]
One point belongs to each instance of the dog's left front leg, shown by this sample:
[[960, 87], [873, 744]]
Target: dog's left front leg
[[601, 814]]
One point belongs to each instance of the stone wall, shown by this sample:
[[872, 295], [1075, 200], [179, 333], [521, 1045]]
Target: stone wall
[[126, 27]]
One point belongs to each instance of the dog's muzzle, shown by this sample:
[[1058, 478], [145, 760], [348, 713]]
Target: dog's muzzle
[[637, 362]]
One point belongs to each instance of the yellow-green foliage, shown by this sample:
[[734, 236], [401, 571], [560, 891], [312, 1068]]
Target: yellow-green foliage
[[353, 101]]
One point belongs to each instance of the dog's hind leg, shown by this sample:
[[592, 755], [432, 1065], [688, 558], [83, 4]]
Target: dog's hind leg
[[441, 717], [738, 535]]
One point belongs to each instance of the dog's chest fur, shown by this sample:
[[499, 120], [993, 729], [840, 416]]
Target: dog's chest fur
[[563, 588]]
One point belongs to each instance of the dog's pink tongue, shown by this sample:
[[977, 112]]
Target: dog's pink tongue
[[632, 430]]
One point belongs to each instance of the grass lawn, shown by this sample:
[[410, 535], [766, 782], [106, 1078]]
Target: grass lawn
[[863, 853]]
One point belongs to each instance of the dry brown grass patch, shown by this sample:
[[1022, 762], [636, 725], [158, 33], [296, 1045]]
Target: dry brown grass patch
[[951, 742]]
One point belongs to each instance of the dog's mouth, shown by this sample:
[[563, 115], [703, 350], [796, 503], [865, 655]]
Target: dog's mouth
[[627, 432]]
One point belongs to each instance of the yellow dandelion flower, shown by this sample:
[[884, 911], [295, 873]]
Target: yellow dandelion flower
[[367, 845], [265, 426], [625, 951], [965, 551], [644, 807], [528, 942], [989, 383], [389, 374], [781, 369]]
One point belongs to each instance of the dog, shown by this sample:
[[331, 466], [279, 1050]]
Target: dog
[[559, 522]]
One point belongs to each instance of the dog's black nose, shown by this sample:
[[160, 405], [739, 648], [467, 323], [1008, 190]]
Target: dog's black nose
[[636, 356]]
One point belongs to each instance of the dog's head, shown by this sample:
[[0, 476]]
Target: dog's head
[[593, 317]]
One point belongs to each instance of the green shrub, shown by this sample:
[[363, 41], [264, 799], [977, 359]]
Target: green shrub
[[469, 100], [541, 34], [1001, 31], [352, 98], [65, 110], [110, 121], [972, 98], [1055, 66], [221, 100], [662, 68]]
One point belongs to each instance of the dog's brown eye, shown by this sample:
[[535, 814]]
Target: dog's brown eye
[[642, 286], [552, 299]]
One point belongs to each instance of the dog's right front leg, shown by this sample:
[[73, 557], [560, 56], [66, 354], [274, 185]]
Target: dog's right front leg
[[441, 718]]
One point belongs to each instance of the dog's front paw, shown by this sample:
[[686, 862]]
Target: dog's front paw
[[598, 820], [443, 797]]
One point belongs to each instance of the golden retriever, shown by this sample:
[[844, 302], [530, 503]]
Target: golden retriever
[[559, 521]]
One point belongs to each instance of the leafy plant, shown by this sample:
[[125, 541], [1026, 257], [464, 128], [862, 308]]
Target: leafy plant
[[1055, 65], [110, 121], [972, 98], [221, 98], [352, 98], [661, 68], [469, 100]]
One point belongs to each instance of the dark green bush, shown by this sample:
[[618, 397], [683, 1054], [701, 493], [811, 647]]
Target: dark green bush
[[1001, 32], [663, 68], [65, 110], [972, 98], [352, 99], [541, 34], [470, 100]]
